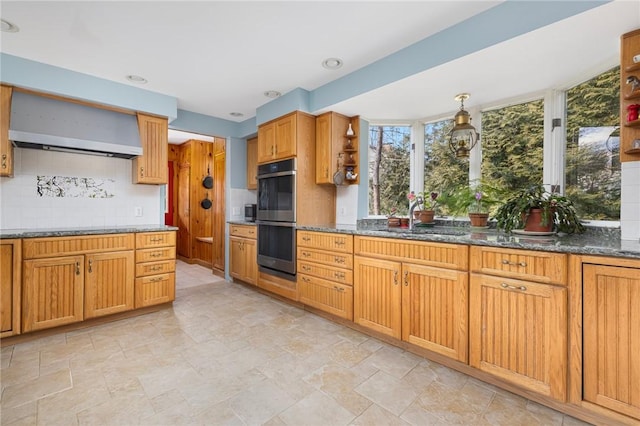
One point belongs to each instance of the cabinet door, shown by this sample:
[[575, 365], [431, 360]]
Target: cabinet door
[[6, 147], [151, 167], [324, 155], [52, 292], [434, 309], [285, 142], [518, 332], [155, 290], [377, 295], [611, 333], [10, 281], [109, 283], [252, 163], [266, 142], [236, 258], [251, 262], [328, 296], [219, 159]]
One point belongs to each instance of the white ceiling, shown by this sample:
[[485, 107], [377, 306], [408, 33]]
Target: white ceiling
[[220, 57]]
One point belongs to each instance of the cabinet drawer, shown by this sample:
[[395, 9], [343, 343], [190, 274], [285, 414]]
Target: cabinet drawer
[[344, 276], [325, 240], [443, 255], [244, 231], [341, 260], [155, 289], [155, 239], [154, 254], [530, 265], [154, 268], [325, 295], [36, 248]]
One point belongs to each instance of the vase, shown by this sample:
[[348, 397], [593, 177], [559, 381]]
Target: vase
[[534, 221], [416, 214], [479, 220], [426, 216]]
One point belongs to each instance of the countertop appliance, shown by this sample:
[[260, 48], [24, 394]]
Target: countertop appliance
[[276, 218], [250, 212]]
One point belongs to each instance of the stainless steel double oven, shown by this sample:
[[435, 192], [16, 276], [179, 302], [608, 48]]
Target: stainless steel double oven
[[276, 218]]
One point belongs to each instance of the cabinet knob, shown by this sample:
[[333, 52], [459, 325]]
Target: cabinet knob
[[141, 171], [4, 161]]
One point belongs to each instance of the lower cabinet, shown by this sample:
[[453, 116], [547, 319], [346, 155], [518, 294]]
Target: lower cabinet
[[108, 286], [243, 256], [155, 268], [10, 283]]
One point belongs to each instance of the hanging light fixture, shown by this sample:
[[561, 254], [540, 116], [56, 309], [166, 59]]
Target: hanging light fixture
[[463, 137]]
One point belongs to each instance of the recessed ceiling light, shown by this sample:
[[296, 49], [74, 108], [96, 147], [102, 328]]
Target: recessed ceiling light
[[136, 79], [236, 114], [8, 27], [332, 63], [272, 94]]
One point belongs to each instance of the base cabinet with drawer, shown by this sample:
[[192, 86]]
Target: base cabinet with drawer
[[518, 318], [69, 279], [325, 272], [155, 268], [243, 255], [414, 291]]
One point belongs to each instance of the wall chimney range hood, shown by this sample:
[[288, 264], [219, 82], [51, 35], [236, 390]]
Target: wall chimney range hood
[[40, 122]]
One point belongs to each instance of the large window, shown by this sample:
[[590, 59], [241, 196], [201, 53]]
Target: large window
[[389, 158], [512, 145], [592, 157]]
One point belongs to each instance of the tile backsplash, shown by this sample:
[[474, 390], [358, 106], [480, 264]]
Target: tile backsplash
[[61, 190]]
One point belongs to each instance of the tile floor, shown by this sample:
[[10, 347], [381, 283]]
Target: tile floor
[[225, 354]]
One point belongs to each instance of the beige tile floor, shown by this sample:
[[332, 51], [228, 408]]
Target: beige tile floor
[[225, 354]]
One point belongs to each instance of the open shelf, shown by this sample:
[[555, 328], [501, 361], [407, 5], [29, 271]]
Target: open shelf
[[632, 151]]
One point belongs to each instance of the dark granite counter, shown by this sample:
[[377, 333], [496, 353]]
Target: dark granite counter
[[590, 243], [241, 222], [67, 232]]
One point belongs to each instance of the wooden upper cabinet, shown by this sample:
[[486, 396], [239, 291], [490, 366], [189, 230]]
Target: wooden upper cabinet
[[611, 337], [331, 129], [252, 163], [151, 167], [6, 147], [278, 139]]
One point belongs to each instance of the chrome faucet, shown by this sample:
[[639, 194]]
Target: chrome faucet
[[415, 204]]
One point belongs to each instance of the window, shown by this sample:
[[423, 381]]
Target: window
[[512, 145], [592, 171], [389, 158]]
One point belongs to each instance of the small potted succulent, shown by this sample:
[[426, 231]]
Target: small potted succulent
[[534, 209]]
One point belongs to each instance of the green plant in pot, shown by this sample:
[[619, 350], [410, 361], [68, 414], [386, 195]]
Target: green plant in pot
[[534, 209], [475, 200]]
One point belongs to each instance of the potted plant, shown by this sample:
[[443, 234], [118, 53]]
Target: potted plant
[[425, 211], [534, 209], [475, 200]]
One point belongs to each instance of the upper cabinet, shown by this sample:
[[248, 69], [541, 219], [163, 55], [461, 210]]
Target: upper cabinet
[[278, 139], [6, 148], [252, 163], [336, 149], [630, 96], [151, 166]]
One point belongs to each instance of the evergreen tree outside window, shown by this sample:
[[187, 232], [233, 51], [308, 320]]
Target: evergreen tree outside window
[[512, 141], [592, 171], [389, 164]]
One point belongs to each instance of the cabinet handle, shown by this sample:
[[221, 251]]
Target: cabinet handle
[[156, 254], [326, 172], [77, 268], [141, 171], [155, 280], [395, 277], [338, 259], [306, 280], [156, 268], [306, 239], [305, 268], [406, 278], [339, 275], [513, 287], [90, 265], [306, 254], [251, 232], [157, 240], [507, 262], [4, 161], [339, 242], [336, 288]]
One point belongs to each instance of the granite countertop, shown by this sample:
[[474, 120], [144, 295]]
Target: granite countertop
[[95, 230], [240, 222], [590, 243]]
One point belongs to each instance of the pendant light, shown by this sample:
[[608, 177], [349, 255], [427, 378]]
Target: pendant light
[[463, 137]]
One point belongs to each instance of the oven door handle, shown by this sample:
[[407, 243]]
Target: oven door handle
[[277, 174], [287, 224]]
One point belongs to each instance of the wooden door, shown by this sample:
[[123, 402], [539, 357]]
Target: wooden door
[[6, 147], [434, 309], [218, 208], [252, 163], [266, 142], [518, 332], [286, 137], [377, 295], [10, 282], [52, 292], [109, 283], [324, 170], [236, 258], [184, 211], [611, 333], [151, 166]]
